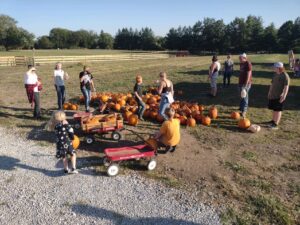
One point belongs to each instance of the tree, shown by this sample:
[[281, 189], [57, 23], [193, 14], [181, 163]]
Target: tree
[[60, 37], [285, 36], [254, 33], [105, 41], [269, 40], [6, 22], [43, 42], [147, 39], [237, 33]]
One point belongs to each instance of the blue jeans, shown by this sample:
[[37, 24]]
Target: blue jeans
[[141, 108], [244, 101], [164, 103], [87, 97], [60, 91]]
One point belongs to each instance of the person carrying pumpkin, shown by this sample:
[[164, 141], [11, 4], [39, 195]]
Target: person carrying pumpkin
[[138, 93], [277, 93], [86, 85], [64, 137], [169, 133]]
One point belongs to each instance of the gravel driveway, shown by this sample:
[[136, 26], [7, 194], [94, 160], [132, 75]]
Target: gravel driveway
[[34, 190]]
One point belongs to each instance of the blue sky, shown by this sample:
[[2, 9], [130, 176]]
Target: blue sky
[[40, 16]]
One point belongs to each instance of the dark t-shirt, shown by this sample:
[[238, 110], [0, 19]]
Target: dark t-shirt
[[81, 74], [278, 83], [138, 88], [245, 67]]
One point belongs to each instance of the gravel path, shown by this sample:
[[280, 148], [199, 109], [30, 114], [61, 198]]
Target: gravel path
[[33, 190]]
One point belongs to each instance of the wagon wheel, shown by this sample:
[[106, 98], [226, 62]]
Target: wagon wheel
[[116, 136], [113, 170], [77, 126], [151, 164], [89, 139]]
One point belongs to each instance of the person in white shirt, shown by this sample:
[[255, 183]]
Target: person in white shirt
[[59, 82], [213, 75], [33, 87]]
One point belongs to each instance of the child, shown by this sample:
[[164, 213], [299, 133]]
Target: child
[[64, 136], [138, 92], [169, 134], [277, 93]]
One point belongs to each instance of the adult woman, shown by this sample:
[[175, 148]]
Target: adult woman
[[86, 85], [213, 75], [166, 91], [33, 87], [59, 82], [228, 70], [277, 93]]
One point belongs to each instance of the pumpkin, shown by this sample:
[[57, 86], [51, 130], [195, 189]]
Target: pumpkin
[[213, 112], [117, 107], [254, 128], [76, 142], [104, 98], [159, 118], [66, 106], [146, 113], [152, 143], [191, 122], [201, 108], [73, 107], [235, 115], [81, 99], [205, 120], [151, 100], [198, 118], [133, 120], [183, 120], [127, 114], [122, 102], [244, 123], [153, 114]]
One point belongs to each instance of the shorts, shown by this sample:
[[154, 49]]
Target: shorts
[[62, 153], [275, 105], [213, 80]]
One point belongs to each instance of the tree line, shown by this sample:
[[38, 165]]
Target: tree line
[[208, 35]]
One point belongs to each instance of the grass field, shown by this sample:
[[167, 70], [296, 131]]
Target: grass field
[[255, 176]]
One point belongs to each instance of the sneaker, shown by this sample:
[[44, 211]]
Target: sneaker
[[274, 126], [73, 171], [66, 171], [141, 119]]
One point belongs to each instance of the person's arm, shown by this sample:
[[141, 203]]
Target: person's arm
[[249, 72], [212, 68], [138, 96], [284, 93], [161, 132], [160, 88], [172, 89], [54, 78], [92, 85], [270, 90]]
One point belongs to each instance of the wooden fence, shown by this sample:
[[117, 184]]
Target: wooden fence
[[39, 60]]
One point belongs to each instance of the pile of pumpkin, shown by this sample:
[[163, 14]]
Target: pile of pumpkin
[[70, 106], [189, 114]]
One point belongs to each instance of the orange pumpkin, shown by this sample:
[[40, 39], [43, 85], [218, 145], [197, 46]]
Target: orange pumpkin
[[235, 115], [66, 106], [151, 100], [122, 102], [198, 118], [206, 120], [153, 114], [117, 107], [133, 120], [191, 122], [244, 123], [73, 107], [104, 98], [146, 113], [152, 143], [213, 112], [201, 108], [183, 120], [159, 118], [76, 142], [127, 114]]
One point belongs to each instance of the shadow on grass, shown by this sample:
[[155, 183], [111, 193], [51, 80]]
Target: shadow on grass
[[118, 218]]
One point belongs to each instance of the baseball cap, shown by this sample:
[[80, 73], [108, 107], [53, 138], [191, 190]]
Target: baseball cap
[[243, 55], [278, 65]]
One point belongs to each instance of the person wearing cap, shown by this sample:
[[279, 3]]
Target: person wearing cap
[[277, 93], [213, 75], [33, 86], [245, 80]]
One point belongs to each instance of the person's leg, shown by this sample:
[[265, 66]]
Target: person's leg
[[244, 102], [142, 108], [63, 94], [37, 110], [162, 107], [86, 98], [73, 162], [228, 78], [277, 117], [65, 162], [225, 78], [59, 97]]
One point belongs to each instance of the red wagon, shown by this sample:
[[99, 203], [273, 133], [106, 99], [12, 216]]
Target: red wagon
[[114, 156], [78, 116]]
